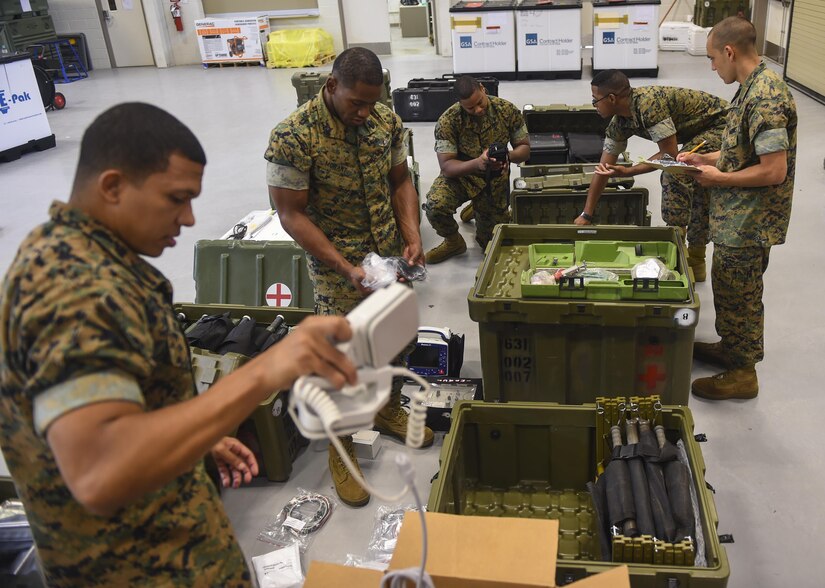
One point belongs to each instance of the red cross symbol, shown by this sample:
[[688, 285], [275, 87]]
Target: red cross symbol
[[278, 294], [651, 376]]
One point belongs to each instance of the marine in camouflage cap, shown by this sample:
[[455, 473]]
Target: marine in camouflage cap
[[667, 116], [463, 135], [337, 174], [99, 422], [751, 180]]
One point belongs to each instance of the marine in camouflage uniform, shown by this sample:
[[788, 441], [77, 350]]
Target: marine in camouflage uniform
[[79, 311], [345, 170], [746, 222], [659, 112], [468, 136]]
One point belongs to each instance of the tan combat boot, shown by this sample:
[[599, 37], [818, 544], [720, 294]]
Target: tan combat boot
[[392, 420], [712, 353], [349, 491], [467, 213], [736, 383], [450, 247], [696, 261]]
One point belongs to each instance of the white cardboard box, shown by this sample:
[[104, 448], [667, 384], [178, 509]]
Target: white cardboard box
[[223, 40], [22, 116]]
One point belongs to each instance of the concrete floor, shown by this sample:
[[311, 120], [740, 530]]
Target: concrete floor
[[760, 456]]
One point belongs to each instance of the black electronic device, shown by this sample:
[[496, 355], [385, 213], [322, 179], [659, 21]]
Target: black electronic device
[[498, 152], [431, 356], [547, 148]]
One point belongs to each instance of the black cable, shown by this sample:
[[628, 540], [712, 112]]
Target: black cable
[[238, 231]]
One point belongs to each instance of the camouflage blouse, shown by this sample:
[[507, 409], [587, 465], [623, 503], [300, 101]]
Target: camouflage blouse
[[81, 313], [762, 119], [659, 112], [468, 136], [346, 170]]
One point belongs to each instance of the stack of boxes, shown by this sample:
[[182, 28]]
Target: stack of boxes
[[23, 24]]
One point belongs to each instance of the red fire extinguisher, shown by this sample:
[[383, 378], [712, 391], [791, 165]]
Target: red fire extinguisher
[[174, 9]]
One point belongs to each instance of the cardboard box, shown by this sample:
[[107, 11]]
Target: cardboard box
[[515, 553], [224, 40], [323, 575]]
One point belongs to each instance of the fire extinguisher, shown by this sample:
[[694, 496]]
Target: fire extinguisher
[[174, 9]]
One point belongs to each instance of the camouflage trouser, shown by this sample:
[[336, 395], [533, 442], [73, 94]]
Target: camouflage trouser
[[737, 296], [684, 202], [329, 305], [447, 194]]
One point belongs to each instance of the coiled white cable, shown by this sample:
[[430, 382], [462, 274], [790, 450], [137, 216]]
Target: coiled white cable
[[327, 411]]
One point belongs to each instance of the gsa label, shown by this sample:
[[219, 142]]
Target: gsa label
[[532, 39], [608, 38], [465, 42]]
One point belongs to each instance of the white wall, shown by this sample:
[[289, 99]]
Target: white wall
[[183, 47], [367, 22], [81, 16], [329, 20]]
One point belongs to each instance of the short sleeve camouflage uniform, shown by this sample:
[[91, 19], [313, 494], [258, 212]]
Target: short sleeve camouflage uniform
[[659, 112], [746, 222], [468, 136], [346, 170], [79, 310]]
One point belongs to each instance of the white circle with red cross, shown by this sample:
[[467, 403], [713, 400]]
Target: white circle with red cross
[[279, 294]]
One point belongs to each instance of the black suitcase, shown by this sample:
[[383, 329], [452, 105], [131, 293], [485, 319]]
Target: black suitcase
[[426, 99], [547, 148], [447, 80], [585, 147]]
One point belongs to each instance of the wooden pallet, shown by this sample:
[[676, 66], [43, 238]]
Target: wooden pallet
[[322, 60], [245, 63]]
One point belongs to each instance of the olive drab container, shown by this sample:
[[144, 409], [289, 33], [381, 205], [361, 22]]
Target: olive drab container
[[571, 341], [535, 459], [269, 430]]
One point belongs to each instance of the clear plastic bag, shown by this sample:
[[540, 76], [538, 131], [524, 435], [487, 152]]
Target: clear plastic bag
[[356, 561], [652, 267], [543, 278], [599, 274], [388, 521], [299, 520], [383, 271]]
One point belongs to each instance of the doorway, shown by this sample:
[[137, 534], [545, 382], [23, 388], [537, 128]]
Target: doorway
[[125, 33], [411, 27]]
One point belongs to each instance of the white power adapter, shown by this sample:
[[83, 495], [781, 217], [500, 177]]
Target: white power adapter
[[382, 325]]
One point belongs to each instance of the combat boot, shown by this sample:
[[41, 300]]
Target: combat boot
[[712, 353], [450, 247], [392, 420], [349, 491], [736, 383], [696, 261], [467, 213]]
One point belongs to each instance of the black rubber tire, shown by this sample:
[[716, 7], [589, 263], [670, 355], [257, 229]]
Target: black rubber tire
[[59, 102]]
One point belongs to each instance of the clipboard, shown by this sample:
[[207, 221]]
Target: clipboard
[[671, 167]]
